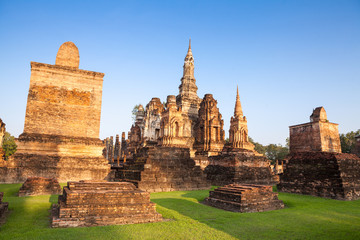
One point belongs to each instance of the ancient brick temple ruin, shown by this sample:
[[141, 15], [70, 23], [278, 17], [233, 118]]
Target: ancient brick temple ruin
[[3, 206], [238, 162], [61, 131], [244, 198], [209, 133], [161, 141], [34, 186], [319, 135], [168, 144], [163, 169], [2, 133], [316, 166], [89, 203]]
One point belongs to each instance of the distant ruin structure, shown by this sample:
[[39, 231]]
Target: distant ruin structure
[[316, 166], [62, 122], [318, 135], [238, 133]]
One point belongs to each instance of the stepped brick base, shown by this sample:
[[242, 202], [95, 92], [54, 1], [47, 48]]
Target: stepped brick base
[[3, 206], [244, 198], [51, 156], [39, 186], [88, 203], [241, 167], [163, 169], [324, 174]]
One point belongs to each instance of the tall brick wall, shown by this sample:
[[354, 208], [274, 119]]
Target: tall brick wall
[[63, 101], [62, 123]]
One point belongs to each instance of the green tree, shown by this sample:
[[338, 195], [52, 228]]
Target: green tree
[[134, 112], [276, 152], [9, 146], [348, 141], [258, 146]]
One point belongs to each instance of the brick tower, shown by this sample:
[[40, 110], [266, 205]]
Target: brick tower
[[188, 99]]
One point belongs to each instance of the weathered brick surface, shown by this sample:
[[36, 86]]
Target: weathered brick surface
[[238, 132], [209, 133], [317, 135], [63, 99], [162, 169], [49, 156], [34, 186], [88, 203], [244, 198], [188, 99], [3, 205], [62, 122], [239, 166], [324, 174]]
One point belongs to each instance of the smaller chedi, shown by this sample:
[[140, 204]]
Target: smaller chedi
[[238, 133], [238, 162], [316, 166]]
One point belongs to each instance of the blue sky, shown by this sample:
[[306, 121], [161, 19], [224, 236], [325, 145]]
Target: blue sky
[[287, 57]]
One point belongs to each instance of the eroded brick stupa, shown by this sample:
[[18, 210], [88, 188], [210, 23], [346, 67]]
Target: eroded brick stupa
[[316, 166], [62, 122], [238, 162]]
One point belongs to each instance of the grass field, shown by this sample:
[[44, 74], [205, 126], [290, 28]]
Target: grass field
[[304, 217]]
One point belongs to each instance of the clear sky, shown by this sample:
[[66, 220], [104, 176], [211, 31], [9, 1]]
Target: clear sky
[[287, 57]]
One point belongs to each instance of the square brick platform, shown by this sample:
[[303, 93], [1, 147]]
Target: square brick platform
[[244, 198], [87, 203]]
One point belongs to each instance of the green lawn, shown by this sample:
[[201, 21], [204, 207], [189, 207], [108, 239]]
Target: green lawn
[[304, 217]]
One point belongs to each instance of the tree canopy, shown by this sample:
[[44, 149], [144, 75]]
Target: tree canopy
[[9, 146], [134, 111], [272, 151], [348, 141]]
